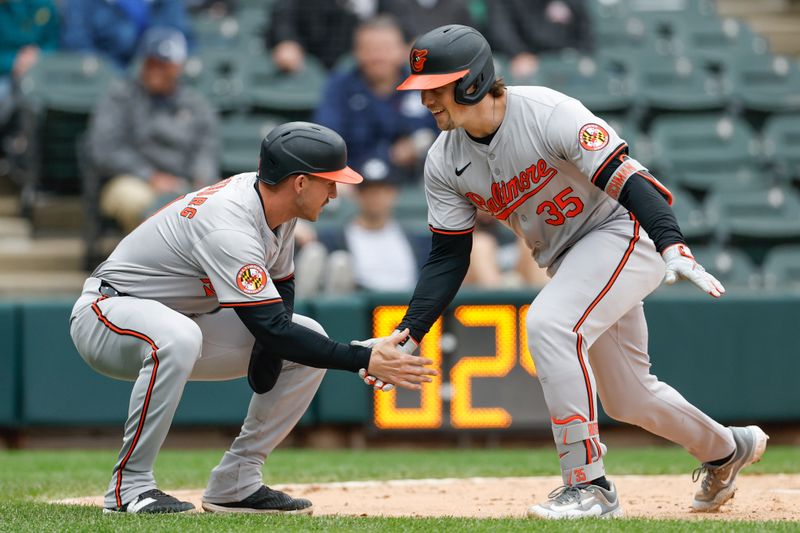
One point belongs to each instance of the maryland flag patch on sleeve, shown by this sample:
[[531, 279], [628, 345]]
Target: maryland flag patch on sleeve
[[593, 137], [251, 279]]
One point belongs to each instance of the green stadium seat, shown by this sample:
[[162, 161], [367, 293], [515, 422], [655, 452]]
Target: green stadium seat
[[731, 266], [677, 83], [719, 39], [214, 32], [762, 218], [57, 96], [677, 8], [66, 81], [638, 142], [615, 33], [267, 87], [411, 201], [745, 178], [501, 66], [699, 150], [766, 84], [218, 74], [247, 5], [593, 81], [781, 268], [241, 138], [411, 209], [691, 217], [782, 144], [254, 22]]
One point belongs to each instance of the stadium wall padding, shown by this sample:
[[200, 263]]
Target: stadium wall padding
[[736, 358]]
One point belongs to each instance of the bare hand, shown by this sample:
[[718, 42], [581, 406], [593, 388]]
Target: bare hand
[[288, 56], [403, 152], [25, 59], [390, 365], [165, 183], [524, 65]]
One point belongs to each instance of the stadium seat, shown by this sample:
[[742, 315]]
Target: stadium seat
[[638, 142], [268, 88], [57, 96], [731, 266], [411, 207], [766, 84], [746, 178], [593, 81], [253, 23], [247, 5], [66, 81], [762, 218], [691, 217], [681, 9], [676, 83], [241, 138], [501, 66], [699, 150], [781, 268], [615, 33], [782, 144], [718, 39], [218, 74], [213, 32]]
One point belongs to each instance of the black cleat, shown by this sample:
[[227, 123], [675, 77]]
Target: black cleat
[[264, 500], [152, 501]]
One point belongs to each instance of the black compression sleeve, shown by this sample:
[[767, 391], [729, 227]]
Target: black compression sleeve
[[439, 280], [285, 288], [652, 211], [286, 340], [264, 369]]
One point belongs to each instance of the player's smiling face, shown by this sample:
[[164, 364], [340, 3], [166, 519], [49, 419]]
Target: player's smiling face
[[441, 103]]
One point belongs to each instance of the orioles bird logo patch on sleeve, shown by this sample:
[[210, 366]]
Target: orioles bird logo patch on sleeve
[[251, 279]]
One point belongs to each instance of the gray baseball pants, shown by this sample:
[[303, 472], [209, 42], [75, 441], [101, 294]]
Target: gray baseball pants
[[160, 350], [587, 335]]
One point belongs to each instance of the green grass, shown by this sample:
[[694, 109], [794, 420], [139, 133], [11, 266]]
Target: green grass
[[29, 478]]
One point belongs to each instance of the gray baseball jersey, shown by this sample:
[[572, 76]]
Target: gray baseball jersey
[[586, 328], [535, 176], [211, 248]]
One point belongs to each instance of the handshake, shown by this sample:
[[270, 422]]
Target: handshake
[[391, 363]]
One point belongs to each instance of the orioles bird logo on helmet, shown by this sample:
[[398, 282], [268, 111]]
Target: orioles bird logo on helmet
[[418, 58]]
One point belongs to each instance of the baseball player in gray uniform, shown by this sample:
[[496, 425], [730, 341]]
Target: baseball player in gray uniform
[[203, 290], [562, 179]]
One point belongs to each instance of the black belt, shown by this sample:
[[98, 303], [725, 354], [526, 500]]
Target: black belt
[[107, 290]]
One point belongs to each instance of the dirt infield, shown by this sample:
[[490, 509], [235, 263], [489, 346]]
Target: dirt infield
[[762, 497]]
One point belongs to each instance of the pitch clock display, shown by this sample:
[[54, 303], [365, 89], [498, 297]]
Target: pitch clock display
[[487, 379]]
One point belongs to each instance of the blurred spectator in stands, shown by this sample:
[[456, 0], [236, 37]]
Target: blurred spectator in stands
[[114, 27], [523, 29], [151, 137], [499, 259], [372, 251], [27, 28], [362, 105], [416, 17], [322, 28]]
